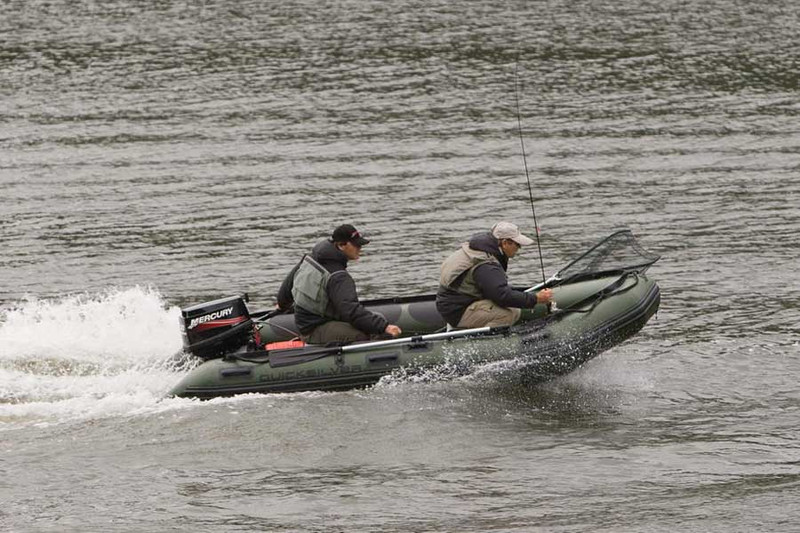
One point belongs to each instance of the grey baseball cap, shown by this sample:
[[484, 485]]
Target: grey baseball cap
[[507, 230]]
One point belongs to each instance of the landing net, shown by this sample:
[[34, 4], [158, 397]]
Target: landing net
[[618, 252]]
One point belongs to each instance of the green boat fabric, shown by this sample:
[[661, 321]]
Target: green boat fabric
[[605, 298], [415, 315], [598, 313]]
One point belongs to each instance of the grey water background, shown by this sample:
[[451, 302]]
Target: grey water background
[[157, 154]]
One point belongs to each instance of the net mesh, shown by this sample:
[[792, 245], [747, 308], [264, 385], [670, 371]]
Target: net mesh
[[618, 252]]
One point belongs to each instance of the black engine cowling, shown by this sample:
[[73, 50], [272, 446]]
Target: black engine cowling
[[215, 328]]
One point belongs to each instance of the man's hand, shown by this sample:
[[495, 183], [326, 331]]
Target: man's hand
[[545, 296], [393, 330]]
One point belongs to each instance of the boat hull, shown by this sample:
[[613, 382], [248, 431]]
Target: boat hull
[[595, 315]]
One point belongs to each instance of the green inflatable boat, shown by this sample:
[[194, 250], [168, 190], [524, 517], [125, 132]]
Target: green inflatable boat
[[602, 298]]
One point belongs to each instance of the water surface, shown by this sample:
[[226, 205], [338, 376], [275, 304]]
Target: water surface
[[155, 155]]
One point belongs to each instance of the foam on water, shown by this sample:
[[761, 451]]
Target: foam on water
[[87, 356]]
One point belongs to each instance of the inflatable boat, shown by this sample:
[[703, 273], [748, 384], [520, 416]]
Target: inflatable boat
[[602, 298]]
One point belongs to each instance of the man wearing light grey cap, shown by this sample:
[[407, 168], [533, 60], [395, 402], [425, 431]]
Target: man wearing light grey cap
[[473, 286]]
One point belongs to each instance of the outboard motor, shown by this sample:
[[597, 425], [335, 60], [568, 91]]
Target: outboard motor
[[213, 329]]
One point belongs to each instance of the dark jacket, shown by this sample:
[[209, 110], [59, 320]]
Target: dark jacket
[[341, 289], [490, 278]]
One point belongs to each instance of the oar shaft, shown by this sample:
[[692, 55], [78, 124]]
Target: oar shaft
[[422, 338]]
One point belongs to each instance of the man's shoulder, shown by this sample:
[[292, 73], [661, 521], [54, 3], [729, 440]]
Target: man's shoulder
[[340, 276], [489, 269]]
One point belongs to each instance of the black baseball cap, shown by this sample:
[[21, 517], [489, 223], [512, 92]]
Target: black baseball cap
[[347, 233]]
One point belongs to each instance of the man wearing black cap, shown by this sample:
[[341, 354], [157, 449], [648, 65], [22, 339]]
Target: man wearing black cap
[[326, 306]]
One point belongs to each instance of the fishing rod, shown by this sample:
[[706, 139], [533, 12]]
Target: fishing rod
[[525, 161]]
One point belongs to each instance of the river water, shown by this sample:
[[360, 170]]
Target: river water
[[158, 154]]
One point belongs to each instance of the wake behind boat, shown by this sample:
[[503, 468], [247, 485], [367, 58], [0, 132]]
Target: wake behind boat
[[603, 298]]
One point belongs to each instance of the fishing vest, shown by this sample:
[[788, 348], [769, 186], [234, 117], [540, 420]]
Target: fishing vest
[[310, 287], [464, 260]]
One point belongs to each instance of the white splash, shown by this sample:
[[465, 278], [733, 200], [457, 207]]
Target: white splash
[[87, 356]]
